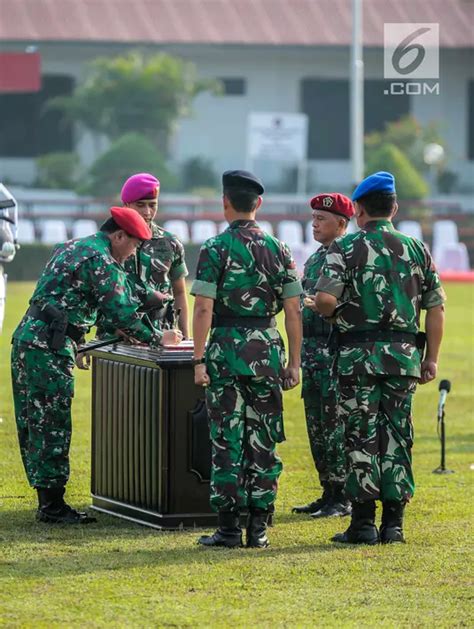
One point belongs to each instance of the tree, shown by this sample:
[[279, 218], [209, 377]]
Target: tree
[[410, 184], [132, 153], [409, 136], [134, 93]]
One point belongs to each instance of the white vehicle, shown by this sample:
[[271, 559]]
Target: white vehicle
[[8, 240]]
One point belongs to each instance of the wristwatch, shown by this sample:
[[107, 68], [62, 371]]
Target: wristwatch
[[198, 361]]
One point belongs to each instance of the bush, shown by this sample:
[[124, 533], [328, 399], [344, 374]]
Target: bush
[[197, 172], [57, 170], [131, 153], [410, 184]]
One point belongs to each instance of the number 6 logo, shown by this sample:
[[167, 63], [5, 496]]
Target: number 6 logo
[[404, 48], [411, 51]]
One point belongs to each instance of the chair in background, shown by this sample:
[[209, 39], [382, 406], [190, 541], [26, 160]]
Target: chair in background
[[84, 227], [290, 232], [410, 228], [26, 231], [53, 231], [202, 230], [453, 257], [223, 225], [179, 228], [266, 226], [445, 233], [309, 232]]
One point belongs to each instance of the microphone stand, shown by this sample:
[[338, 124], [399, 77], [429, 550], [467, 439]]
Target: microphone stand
[[442, 435]]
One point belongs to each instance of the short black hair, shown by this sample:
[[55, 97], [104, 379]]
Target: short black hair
[[378, 203], [110, 226], [242, 200]]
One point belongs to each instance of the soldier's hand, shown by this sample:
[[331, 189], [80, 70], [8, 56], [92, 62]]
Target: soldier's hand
[[83, 361], [309, 302], [201, 377], [429, 369], [291, 378], [172, 337]]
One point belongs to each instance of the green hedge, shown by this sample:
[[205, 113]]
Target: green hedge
[[31, 259]]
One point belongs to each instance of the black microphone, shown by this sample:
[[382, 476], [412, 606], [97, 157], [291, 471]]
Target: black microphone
[[444, 388]]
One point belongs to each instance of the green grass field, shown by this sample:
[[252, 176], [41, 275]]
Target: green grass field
[[118, 574]]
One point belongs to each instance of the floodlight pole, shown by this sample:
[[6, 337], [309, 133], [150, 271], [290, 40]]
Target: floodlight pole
[[357, 94]]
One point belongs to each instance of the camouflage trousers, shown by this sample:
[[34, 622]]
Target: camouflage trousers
[[325, 428], [43, 388], [376, 412], [246, 422]]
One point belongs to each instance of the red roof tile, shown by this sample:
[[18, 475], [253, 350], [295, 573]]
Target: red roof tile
[[266, 22]]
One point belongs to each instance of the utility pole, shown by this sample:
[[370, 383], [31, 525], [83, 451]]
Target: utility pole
[[357, 95]]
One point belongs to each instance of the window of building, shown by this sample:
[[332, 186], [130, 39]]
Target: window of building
[[234, 87], [27, 128], [470, 120], [327, 104]]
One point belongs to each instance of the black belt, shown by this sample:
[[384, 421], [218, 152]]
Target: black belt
[[260, 323], [74, 333], [373, 336]]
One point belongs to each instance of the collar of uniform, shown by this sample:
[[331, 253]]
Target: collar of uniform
[[378, 225], [242, 222]]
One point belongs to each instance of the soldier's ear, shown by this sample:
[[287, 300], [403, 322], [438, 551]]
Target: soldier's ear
[[395, 209]]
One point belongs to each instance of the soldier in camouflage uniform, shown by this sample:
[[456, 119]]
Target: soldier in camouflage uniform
[[384, 278], [82, 277], [158, 263], [244, 278], [331, 214]]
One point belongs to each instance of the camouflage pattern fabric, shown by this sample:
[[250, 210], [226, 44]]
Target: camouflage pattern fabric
[[246, 422], [319, 389], [157, 263], [325, 426], [247, 273], [379, 436], [387, 278], [80, 278], [43, 388]]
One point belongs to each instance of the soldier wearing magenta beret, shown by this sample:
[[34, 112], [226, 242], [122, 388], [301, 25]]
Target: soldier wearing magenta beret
[[331, 215], [83, 277], [157, 270]]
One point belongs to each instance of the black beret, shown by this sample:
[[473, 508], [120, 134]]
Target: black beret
[[243, 180]]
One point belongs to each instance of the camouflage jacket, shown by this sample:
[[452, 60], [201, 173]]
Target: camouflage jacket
[[314, 350], [82, 277], [158, 262], [247, 273], [387, 278]]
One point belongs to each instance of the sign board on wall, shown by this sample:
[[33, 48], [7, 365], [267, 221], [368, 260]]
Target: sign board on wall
[[277, 136]]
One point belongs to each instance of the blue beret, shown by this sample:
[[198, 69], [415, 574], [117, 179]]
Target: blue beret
[[378, 182], [242, 179]]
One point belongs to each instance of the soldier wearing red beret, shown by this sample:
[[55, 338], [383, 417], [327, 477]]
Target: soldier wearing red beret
[[82, 278], [331, 215]]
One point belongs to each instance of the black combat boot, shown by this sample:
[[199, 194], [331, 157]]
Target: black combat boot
[[53, 510], [316, 505], [229, 533], [337, 505], [362, 529], [391, 529], [257, 521]]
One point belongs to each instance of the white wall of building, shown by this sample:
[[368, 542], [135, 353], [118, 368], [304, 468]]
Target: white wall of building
[[217, 129]]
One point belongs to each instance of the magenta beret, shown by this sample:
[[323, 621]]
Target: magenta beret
[[139, 186]]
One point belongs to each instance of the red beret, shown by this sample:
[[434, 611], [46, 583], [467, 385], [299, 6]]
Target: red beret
[[335, 203], [131, 222]]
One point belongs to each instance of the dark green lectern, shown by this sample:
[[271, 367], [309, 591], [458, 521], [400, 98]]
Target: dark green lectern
[[151, 452]]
